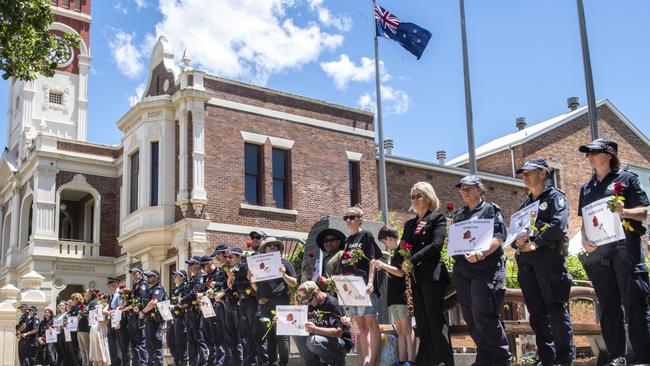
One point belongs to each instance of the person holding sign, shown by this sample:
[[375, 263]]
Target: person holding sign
[[196, 345], [426, 234], [360, 249], [154, 321], [72, 354], [98, 350], [47, 355], [176, 333], [543, 276], [26, 331], [480, 277], [329, 337], [272, 293], [617, 269]]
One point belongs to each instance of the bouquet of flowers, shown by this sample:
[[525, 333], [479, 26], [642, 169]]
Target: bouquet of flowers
[[405, 250], [325, 284], [353, 256], [613, 202]]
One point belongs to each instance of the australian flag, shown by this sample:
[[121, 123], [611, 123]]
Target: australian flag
[[410, 36]]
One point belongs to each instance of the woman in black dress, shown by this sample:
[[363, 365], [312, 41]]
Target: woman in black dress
[[426, 234], [46, 352]]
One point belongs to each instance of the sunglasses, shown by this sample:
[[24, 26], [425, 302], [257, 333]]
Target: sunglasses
[[417, 196], [350, 217], [256, 237], [330, 240]]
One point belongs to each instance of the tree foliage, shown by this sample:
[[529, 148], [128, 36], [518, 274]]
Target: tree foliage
[[25, 43]]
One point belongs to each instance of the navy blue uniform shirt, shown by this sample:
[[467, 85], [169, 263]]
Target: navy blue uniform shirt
[[484, 211], [194, 285], [554, 214]]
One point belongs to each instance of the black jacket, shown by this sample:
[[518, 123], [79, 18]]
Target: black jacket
[[427, 246]]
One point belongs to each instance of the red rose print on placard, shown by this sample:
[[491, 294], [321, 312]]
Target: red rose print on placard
[[595, 221], [289, 317], [262, 265], [467, 235]]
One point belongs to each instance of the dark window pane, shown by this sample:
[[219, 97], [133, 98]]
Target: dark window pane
[[135, 171], [279, 194], [77, 5], [154, 173], [353, 174], [251, 158], [279, 163], [251, 190]]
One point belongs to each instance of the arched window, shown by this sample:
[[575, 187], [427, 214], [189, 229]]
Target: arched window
[[78, 211], [26, 214]]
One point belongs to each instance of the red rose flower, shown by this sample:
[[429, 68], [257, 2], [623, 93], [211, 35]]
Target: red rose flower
[[347, 255], [310, 254], [406, 246], [595, 221], [249, 244], [321, 281], [450, 206], [618, 188]]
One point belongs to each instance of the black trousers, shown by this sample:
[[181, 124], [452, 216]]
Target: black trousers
[[72, 356], [432, 328], [114, 348], [179, 339], [546, 286], [252, 331], [138, 341], [198, 355], [213, 330], [480, 288], [622, 287], [27, 351], [233, 343]]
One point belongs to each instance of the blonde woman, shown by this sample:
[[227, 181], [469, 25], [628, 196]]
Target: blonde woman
[[426, 234], [364, 317]]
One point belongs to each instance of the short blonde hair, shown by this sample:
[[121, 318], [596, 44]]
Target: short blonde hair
[[78, 297], [356, 209], [429, 192]]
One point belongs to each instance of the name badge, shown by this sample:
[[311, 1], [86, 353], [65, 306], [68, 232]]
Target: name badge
[[418, 229]]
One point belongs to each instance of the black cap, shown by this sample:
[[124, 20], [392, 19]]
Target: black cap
[[33, 307], [24, 306], [533, 164], [259, 232], [470, 180], [152, 273], [136, 269], [206, 259], [180, 272], [193, 260], [236, 251], [601, 145], [221, 248], [110, 280]]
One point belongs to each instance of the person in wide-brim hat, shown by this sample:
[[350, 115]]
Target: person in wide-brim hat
[[269, 241], [330, 234]]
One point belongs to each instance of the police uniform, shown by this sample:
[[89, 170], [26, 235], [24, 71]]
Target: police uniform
[[154, 322], [617, 270], [27, 347], [480, 287], [135, 325], [176, 334], [234, 346], [197, 348], [543, 276], [117, 358]]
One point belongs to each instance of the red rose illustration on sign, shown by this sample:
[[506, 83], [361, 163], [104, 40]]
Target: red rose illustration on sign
[[467, 234], [289, 317], [345, 287], [262, 265], [595, 221]]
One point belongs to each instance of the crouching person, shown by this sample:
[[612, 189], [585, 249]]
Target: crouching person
[[329, 337]]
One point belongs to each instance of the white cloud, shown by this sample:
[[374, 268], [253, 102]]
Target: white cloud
[[341, 22], [137, 95], [120, 8], [125, 54], [244, 39], [140, 4], [394, 101], [344, 70]]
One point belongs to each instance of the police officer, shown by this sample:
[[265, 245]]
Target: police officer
[[213, 336], [271, 293], [26, 330], [233, 337], [218, 286], [117, 359], [543, 277], [617, 269], [197, 348], [480, 277], [135, 325], [176, 334], [154, 321]]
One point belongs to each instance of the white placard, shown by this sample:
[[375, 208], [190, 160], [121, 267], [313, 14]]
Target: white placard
[[68, 336], [73, 323], [520, 222], [92, 318], [50, 335], [116, 317], [318, 267], [291, 320], [470, 236], [99, 313], [602, 226], [352, 290], [206, 307], [164, 307], [265, 266]]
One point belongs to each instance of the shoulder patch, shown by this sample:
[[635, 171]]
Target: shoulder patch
[[543, 206], [156, 292], [561, 202]]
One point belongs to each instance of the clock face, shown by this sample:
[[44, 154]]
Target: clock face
[[62, 54]]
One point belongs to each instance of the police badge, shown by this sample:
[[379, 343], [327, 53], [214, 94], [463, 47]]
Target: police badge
[[543, 206]]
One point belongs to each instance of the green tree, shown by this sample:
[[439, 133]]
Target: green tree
[[27, 49]]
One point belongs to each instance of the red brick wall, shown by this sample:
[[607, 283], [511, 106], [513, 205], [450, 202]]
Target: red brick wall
[[401, 178], [109, 191], [87, 149]]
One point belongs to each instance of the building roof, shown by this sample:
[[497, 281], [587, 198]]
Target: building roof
[[538, 129]]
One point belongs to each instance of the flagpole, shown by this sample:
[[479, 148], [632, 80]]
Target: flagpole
[[383, 196], [589, 79], [468, 94]]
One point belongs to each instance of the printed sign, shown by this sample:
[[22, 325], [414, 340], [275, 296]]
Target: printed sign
[[318, 267], [470, 236], [520, 222], [265, 266], [73, 323], [352, 290], [68, 336], [601, 225], [206, 308], [116, 317], [165, 309], [50, 335], [291, 320]]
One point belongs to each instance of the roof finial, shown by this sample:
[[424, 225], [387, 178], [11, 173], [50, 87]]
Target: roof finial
[[186, 60]]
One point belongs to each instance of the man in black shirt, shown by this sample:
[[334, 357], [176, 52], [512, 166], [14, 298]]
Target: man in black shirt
[[275, 292], [329, 337], [197, 348]]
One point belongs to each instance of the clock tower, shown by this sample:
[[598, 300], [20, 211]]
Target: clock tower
[[56, 105]]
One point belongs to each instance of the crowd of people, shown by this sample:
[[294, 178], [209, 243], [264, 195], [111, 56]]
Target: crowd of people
[[242, 330]]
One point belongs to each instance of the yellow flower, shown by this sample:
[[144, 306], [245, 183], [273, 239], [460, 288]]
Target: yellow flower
[[248, 291]]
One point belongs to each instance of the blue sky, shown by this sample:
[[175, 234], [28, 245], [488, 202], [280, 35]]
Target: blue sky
[[524, 56]]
